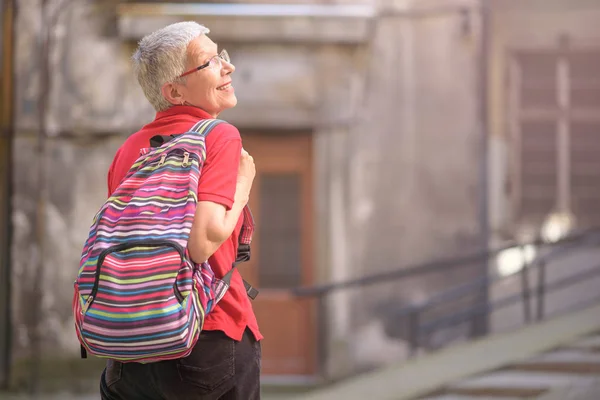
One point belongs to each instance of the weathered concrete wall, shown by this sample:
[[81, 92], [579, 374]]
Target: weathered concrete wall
[[92, 89], [76, 172], [412, 193], [92, 101]]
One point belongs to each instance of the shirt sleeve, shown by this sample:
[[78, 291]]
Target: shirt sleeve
[[219, 174], [111, 176]]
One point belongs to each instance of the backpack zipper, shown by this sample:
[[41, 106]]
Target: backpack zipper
[[162, 159], [186, 157], [124, 246]]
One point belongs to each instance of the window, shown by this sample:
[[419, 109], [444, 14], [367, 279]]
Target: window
[[554, 118], [280, 244]]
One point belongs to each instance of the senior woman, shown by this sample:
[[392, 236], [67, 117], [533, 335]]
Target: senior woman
[[187, 78]]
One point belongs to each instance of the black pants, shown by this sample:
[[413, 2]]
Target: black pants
[[217, 368]]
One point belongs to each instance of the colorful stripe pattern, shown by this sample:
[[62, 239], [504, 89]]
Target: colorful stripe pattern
[[138, 296]]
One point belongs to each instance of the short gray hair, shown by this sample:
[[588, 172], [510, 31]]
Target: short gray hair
[[161, 57]]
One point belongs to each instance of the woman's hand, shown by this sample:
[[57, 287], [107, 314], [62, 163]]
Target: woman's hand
[[246, 174]]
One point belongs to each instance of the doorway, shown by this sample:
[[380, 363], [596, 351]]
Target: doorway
[[282, 251]]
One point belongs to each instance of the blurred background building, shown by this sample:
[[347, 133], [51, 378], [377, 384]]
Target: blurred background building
[[386, 134]]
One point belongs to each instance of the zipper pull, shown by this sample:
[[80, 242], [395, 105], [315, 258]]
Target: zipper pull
[[162, 159], [87, 305], [186, 159]]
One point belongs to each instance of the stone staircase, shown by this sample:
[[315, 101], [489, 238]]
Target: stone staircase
[[570, 372], [556, 359]]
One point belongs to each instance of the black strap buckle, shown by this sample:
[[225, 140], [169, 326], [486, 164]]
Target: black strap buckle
[[243, 253], [159, 140], [252, 292]]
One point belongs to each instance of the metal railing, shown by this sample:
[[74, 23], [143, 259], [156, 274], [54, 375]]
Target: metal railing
[[421, 328]]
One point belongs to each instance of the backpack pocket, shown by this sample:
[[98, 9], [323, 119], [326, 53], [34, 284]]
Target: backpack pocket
[[141, 302]]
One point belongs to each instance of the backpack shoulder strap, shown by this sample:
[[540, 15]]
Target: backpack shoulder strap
[[203, 127], [243, 252]]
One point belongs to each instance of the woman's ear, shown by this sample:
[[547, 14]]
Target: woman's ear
[[170, 91]]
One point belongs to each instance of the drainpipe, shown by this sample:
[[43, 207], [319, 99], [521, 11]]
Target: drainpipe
[[481, 323], [7, 8]]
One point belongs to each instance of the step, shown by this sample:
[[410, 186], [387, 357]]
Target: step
[[591, 343], [495, 393], [516, 383], [567, 355], [465, 397], [570, 361]]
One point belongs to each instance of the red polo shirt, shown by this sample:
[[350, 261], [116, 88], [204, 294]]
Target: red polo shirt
[[217, 184]]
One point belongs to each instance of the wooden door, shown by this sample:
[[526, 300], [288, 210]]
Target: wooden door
[[7, 15], [282, 251]]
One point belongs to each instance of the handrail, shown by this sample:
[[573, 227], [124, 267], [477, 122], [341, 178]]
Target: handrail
[[459, 291], [465, 315], [397, 274], [429, 267], [419, 327]]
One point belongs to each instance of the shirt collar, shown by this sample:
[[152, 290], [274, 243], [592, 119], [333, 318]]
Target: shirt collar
[[189, 110]]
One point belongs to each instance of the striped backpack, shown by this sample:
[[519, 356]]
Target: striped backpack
[[138, 296]]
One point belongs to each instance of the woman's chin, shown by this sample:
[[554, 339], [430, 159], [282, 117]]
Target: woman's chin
[[230, 102]]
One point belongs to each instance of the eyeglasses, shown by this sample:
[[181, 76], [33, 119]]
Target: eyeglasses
[[214, 63]]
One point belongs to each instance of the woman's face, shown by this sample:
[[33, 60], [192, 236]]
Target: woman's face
[[210, 88]]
